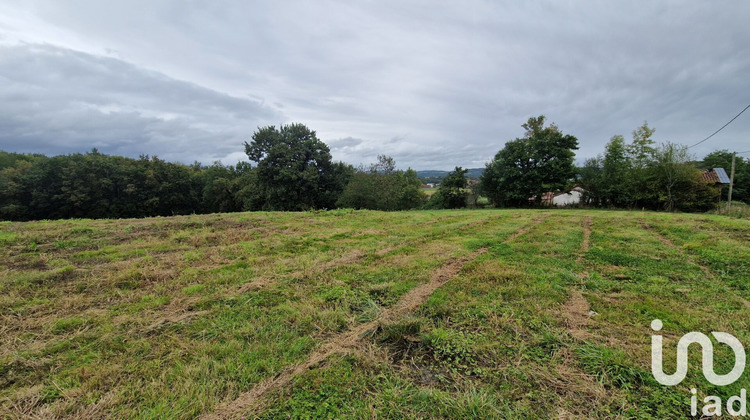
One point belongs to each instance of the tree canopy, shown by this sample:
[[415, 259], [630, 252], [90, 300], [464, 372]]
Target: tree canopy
[[527, 167], [295, 171], [453, 191], [382, 187], [643, 175], [95, 185]]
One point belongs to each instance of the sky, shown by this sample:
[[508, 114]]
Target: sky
[[433, 84]]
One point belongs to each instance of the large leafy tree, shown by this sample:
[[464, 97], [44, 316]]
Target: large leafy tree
[[294, 169], [674, 181], [615, 169], [605, 179], [452, 193], [527, 167], [590, 179], [640, 155]]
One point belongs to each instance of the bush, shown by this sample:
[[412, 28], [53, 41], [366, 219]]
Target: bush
[[738, 210]]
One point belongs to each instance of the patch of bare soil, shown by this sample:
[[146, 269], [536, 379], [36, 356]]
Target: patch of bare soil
[[346, 342], [576, 313], [586, 244]]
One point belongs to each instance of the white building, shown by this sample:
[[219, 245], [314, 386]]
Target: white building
[[565, 199]]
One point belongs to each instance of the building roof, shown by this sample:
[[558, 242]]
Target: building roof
[[722, 175], [715, 176]]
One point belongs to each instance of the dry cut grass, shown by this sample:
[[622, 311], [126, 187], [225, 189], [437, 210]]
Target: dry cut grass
[[432, 314]]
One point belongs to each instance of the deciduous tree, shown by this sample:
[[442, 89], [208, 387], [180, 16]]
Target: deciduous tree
[[452, 193], [295, 171], [528, 167]]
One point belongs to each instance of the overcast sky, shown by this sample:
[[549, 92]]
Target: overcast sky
[[433, 84]]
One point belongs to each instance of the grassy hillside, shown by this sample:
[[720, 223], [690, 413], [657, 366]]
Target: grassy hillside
[[431, 314]]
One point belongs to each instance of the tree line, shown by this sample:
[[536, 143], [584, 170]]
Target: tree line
[[641, 174], [95, 185], [290, 169]]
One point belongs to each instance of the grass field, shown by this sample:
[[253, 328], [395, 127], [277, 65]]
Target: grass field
[[341, 314]]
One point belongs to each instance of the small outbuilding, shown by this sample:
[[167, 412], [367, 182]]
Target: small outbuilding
[[716, 176]]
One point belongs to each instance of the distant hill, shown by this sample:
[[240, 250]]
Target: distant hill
[[432, 175]]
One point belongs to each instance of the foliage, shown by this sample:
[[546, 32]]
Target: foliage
[[610, 366], [642, 175], [94, 185], [615, 168], [452, 193], [382, 187], [676, 182], [528, 167], [453, 347], [723, 159], [295, 171]]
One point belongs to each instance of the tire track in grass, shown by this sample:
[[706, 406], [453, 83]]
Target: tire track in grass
[[180, 311], [576, 311], [586, 243], [527, 228], [255, 400], [433, 237], [706, 270]]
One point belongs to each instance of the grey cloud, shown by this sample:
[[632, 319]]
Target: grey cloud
[[59, 101], [344, 143], [457, 79]]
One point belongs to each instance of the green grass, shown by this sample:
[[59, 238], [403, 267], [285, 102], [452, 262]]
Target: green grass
[[738, 210], [173, 317]]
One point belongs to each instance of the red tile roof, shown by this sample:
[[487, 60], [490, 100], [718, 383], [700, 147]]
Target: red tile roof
[[709, 175]]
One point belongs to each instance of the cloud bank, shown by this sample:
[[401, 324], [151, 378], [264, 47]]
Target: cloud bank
[[433, 84]]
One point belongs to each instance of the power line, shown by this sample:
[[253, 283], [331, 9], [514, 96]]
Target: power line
[[746, 151], [722, 127]]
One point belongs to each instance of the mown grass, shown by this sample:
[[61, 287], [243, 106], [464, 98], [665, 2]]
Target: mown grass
[[173, 317]]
